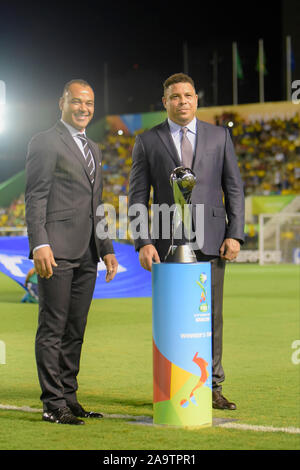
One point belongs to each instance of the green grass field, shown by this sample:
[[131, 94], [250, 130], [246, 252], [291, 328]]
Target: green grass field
[[261, 321]]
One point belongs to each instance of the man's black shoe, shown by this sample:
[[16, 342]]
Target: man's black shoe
[[80, 412], [61, 416], [221, 403]]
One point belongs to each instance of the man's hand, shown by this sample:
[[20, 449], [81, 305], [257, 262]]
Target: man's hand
[[111, 264], [147, 255], [229, 249], [43, 261]]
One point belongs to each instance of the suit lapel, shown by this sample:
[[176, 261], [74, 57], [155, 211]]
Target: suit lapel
[[200, 142], [165, 135], [69, 141]]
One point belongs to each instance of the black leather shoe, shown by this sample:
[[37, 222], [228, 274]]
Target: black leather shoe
[[221, 403], [80, 412], [62, 416]]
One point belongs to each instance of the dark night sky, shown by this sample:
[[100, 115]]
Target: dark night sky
[[45, 44]]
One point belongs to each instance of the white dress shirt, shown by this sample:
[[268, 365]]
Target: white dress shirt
[[176, 134], [73, 131]]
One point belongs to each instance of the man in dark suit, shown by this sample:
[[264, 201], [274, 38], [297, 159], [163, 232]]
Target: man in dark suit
[[183, 140], [63, 191]]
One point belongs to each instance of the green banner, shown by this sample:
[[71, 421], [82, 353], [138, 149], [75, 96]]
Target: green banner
[[150, 120], [12, 188], [270, 204]]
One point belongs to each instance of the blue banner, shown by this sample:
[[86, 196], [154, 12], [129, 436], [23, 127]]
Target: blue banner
[[131, 279]]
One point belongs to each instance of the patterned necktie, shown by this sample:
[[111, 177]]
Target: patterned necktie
[[88, 156], [186, 149]]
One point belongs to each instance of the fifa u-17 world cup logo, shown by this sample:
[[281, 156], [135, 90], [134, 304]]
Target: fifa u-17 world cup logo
[[203, 307]]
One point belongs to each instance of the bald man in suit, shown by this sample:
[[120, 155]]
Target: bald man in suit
[[63, 191], [155, 155]]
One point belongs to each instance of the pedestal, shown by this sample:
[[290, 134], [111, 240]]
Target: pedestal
[[182, 352]]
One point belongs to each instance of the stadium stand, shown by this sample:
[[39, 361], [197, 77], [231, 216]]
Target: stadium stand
[[13, 217], [268, 154]]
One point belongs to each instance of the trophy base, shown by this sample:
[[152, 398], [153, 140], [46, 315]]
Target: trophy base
[[180, 254]]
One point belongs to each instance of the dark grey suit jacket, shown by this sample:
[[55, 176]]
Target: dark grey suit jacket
[[61, 201], [215, 165]]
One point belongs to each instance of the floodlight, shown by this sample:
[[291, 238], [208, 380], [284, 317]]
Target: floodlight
[[2, 104]]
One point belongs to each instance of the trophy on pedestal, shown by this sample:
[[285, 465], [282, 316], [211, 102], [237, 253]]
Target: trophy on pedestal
[[182, 394], [182, 181]]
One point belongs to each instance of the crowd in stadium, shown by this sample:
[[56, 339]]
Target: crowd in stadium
[[13, 217], [117, 151], [268, 155]]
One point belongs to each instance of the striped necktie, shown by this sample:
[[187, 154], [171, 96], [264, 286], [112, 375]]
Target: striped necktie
[[186, 149], [88, 156]]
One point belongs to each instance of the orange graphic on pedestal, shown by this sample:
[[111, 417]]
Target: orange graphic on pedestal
[[203, 378], [169, 379], [162, 368]]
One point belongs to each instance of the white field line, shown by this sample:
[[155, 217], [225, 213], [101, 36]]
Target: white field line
[[20, 408], [253, 427], [230, 425], [28, 409]]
